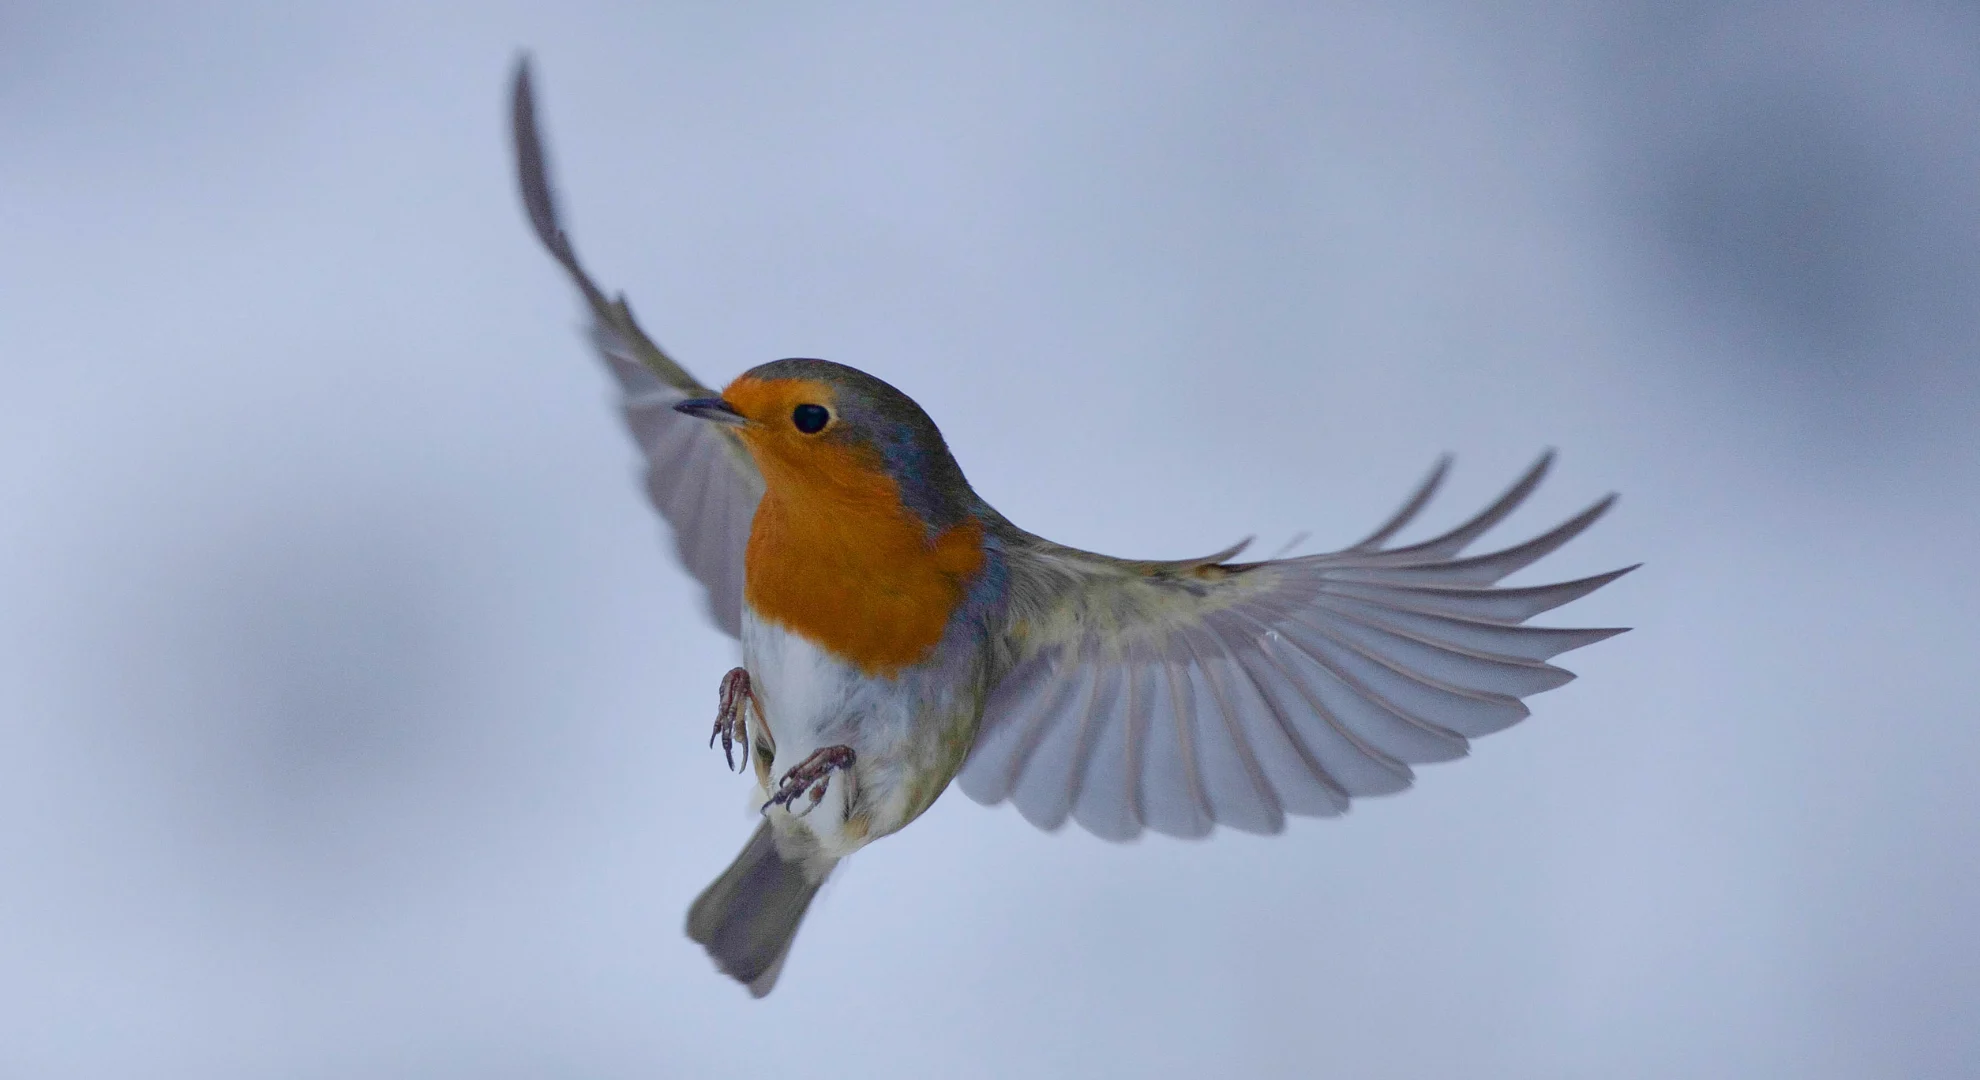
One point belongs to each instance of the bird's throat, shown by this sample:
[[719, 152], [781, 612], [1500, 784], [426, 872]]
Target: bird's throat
[[853, 571]]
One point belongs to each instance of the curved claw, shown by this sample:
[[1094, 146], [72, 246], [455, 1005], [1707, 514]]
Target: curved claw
[[813, 775], [730, 726]]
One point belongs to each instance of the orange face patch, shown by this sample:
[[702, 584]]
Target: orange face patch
[[833, 555], [772, 433]]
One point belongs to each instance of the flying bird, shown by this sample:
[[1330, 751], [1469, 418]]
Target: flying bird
[[898, 632]]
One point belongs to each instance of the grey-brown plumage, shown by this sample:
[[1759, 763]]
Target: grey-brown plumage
[[749, 916]]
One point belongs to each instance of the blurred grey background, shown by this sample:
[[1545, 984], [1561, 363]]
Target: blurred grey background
[[352, 711]]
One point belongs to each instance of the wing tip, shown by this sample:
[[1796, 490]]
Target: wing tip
[[519, 76], [978, 790], [1041, 821], [539, 195], [1413, 505], [1104, 831], [1568, 591], [1596, 581], [1531, 478], [1273, 827], [532, 171]]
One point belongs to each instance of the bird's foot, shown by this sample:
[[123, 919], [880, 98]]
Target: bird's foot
[[809, 779], [730, 726]]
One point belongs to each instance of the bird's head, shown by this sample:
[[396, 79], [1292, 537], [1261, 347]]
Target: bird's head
[[832, 432]]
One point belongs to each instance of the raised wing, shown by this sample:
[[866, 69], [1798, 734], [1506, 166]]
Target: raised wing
[[1176, 696], [697, 474]]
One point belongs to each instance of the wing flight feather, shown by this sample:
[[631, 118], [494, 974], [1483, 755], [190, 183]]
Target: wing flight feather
[[697, 474], [1177, 696]]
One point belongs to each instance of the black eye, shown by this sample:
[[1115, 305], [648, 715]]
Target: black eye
[[811, 419]]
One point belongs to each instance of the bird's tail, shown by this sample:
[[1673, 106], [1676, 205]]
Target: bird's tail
[[749, 916]]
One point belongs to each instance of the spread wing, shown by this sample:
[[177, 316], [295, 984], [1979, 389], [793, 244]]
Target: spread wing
[[1179, 695], [697, 474]]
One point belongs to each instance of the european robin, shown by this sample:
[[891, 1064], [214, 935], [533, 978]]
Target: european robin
[[898, 632]]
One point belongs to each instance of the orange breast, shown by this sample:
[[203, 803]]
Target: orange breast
[[834, 556]]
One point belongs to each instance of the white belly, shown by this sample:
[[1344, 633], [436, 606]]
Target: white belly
[[812, 700]]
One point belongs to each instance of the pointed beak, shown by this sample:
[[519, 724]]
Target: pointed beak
[[711, 408]]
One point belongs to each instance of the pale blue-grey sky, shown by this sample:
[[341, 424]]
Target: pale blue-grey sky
[[352, 710]]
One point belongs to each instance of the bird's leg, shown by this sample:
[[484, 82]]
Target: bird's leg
[[813, 775], [729, 724]]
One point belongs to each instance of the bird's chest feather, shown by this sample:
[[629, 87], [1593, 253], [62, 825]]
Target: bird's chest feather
[[848, 601], [844, 565], [908, 733]]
